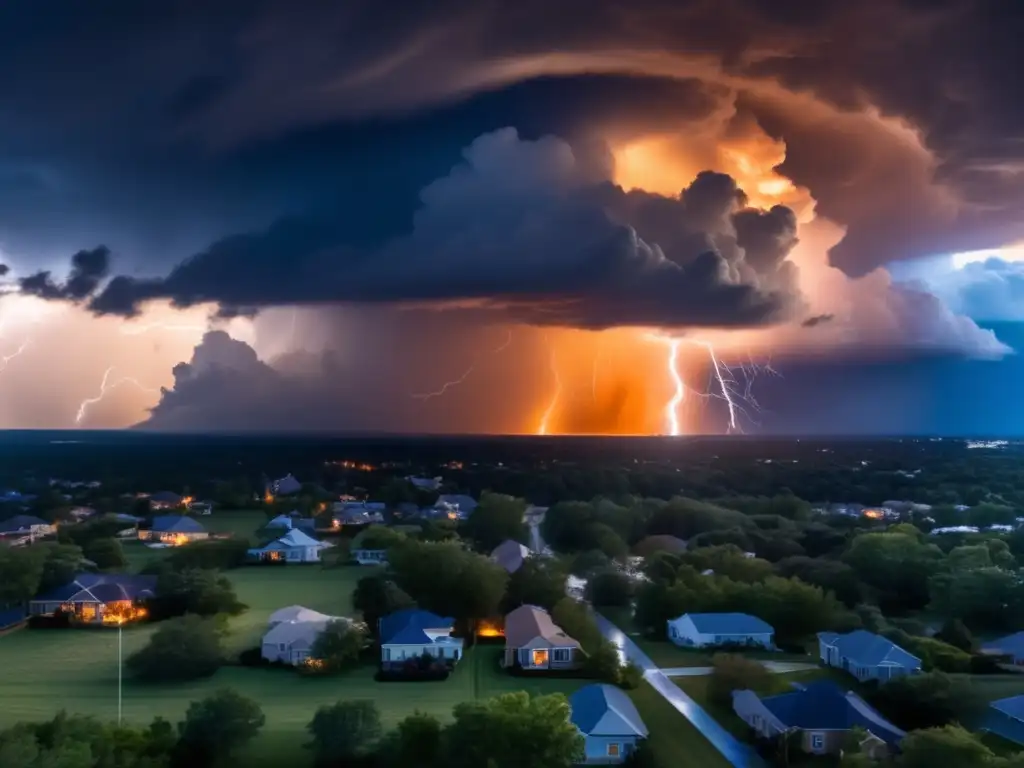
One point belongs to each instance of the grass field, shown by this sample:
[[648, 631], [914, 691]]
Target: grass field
[[47, 670], [673, 739]]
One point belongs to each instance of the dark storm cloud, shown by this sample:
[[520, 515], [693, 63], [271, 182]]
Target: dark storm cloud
[[88, 269], [531, 228], [813, 322], [4, 269]]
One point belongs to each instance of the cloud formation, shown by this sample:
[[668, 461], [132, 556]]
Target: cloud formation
[[988, 290], [530, 229]]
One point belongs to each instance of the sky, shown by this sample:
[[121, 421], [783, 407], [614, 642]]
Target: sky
[[686, 217]]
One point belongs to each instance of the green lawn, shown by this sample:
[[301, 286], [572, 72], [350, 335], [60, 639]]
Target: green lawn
[[993, 687], [674, 740], [47, 670], [240, 522]]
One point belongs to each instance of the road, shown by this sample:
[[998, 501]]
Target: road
[[734, 751]]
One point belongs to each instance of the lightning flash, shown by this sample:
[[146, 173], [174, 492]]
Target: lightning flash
[[6, 359], [424, 396], [106, 386], [545, 420]]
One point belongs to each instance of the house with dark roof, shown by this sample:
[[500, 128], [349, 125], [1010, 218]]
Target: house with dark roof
[[703, 630], [1005, 718], [533, 641], [459, 504], [98, 598], [174, 530], [823, 714], [412, 633], [284, 486], [866, 656], [1011, 647], [164, 500], [609, 723], [25, 525]]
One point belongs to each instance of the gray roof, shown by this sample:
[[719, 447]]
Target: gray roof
[[176, 524], [729, 624], [869, 650], [510, 555], [1011, 645], [605, 710], [528, 622]]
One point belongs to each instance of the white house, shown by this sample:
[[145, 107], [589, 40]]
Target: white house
[[411, 633], [294, 547], [701, 630], [291, 633]]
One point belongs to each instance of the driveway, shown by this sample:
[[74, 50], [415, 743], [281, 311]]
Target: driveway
[[734, 751], [778, 667]]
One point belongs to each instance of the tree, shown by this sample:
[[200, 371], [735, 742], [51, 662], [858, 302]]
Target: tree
[[338, 645], [511, 731], [956, 634], [376, 596], [186, 648], [731, 672], [344, 731], [218, 726], [539, 581], [610, 588], [448, 580], [831, 575], [948, 745], [928, 700], [728, 560], [106, 553], [897, 564], [604, 663], [983, 598], [197, 591], [415, 743], [60, 565], [21, 569], [496, 518]]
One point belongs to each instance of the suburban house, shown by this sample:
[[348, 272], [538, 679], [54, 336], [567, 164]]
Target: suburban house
[[534, 641], [366, 547], [608, 721], [25, 525], [458, 503], [822, 713], [294, 547], [357, 512], [700, 630], [866, 656], [285, 486], [510, 555], [425, 483], [287, 522], [291, 633], [201, 507], [174, 530], [411, 633], [1011, 646], [651, 545], [164, 500], [1005, 718], [98, 598]]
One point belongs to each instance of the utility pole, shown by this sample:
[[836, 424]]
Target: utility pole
[[120, 624]]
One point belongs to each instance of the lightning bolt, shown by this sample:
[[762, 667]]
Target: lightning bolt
[[456, 382], [679, 391], [726, 383], [138, 330], [105, 387], [4, 360], [545, 420]]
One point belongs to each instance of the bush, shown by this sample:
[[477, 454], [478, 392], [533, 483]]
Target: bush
[[213, 554], [733, 673], [630, 676], [610, 588], [186, 648]]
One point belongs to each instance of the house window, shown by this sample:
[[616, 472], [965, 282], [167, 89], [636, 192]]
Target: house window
[[817, 742], [561, 654], [540, 657], [281, 647], [613, 750]]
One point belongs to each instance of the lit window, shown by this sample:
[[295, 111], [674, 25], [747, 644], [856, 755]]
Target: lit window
[[613, 750], [540, 657]]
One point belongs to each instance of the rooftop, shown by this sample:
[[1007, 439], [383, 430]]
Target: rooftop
[[407, 627], [605, 710]]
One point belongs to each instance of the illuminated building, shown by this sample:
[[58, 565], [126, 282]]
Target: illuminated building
[[294, 547], [174, 530], [98, 599]]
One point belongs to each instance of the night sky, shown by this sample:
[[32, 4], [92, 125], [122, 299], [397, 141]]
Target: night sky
[[655, 217]]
